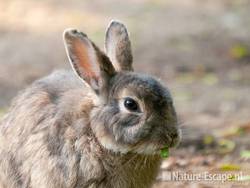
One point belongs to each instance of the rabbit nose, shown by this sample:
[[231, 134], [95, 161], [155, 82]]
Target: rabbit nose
[[171, 139], [175, 136], [175, 139]]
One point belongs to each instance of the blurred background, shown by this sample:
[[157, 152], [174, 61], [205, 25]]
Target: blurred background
[[199, 48]]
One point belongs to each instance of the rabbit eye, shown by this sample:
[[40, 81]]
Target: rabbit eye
[[131, 104]]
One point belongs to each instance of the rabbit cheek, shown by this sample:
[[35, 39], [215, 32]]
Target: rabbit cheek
[[159, 133], [107, 140], [103, 127]]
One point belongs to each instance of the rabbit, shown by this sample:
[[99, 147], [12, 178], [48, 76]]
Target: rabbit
[[100, 125]]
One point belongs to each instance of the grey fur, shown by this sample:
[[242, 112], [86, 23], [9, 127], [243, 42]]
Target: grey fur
[[62, 132], [118, 46]]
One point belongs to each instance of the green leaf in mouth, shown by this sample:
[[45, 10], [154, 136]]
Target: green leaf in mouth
[[164, 152]]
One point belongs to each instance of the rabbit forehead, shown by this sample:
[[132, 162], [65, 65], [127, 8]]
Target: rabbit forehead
[[140, 86]]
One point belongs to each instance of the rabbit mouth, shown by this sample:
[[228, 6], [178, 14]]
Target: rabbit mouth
[[156, 147], [152, 148], [148, 149]]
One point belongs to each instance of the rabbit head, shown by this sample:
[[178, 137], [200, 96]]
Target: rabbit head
[[132, 112]]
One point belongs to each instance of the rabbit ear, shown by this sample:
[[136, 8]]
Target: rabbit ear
[[87, 60], [118, 46]]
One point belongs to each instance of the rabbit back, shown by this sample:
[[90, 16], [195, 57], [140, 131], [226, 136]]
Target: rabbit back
[[42, 136]]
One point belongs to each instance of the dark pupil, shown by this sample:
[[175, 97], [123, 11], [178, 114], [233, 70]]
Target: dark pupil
[[130, 104]]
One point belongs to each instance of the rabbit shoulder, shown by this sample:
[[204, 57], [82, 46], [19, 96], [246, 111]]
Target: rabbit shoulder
[[45, 140]]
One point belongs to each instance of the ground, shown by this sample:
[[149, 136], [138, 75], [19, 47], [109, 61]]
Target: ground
[[199, 48]]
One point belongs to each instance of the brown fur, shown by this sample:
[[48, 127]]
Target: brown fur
[[43, 147], [66, 132]]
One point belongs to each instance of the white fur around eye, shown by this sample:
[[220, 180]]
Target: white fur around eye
[[123, 109]]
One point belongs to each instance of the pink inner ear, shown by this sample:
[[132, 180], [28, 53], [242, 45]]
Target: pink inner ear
[[84, 63]]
